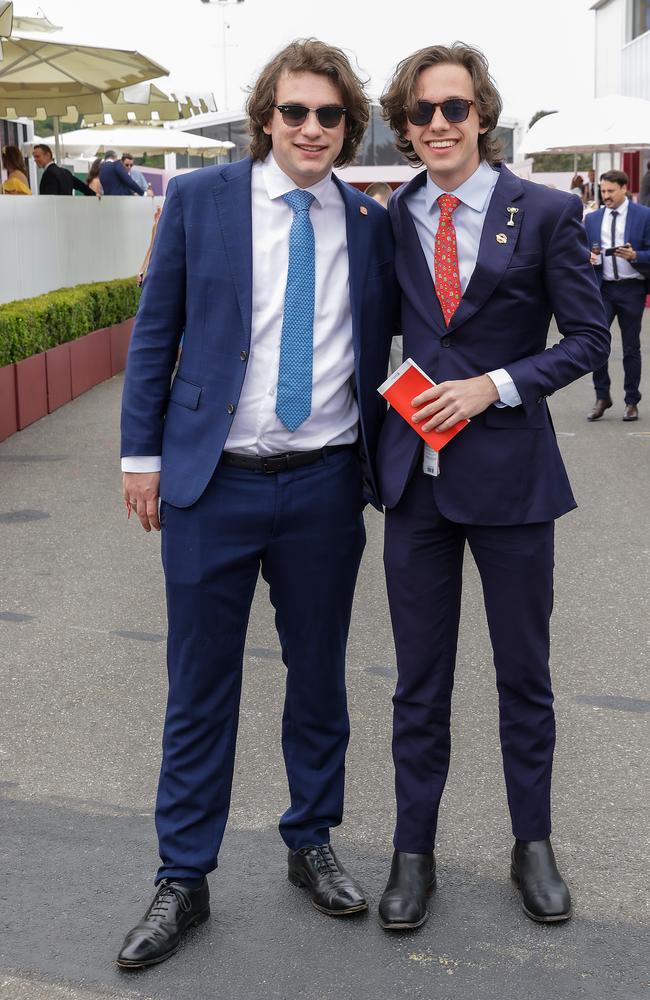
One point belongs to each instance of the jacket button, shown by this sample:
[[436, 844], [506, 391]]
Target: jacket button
[[446, 341], [230, 408], [243, 355]]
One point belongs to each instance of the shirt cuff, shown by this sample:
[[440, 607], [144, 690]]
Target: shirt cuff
[[508, 395], [141, 463]]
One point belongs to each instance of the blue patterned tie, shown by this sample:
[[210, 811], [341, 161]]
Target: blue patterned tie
[[293, 403]]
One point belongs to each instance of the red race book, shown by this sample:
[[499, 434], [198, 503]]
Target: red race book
[[407, 382]]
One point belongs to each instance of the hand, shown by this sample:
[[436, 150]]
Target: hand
[[444, 405], [627, 252], [140, 490], [594, 258]]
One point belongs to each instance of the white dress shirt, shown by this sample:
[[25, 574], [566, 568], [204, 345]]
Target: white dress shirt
[[625, 269], [475, 194], [256, 430]]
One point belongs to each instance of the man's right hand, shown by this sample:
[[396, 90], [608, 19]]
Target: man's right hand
[[141, 491]]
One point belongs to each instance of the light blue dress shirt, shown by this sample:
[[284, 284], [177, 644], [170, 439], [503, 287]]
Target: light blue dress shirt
[[474, 194]]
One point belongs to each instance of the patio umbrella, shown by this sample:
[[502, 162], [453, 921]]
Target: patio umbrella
[[145, 104], [603, 124], [44, 75], [140, 139]]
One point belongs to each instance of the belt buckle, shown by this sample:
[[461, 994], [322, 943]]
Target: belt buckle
[[275, 463]]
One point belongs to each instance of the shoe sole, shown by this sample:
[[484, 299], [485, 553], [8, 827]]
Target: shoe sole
[[200, 918], [554, 918], [409, 927], [629, 420], [299, 884]]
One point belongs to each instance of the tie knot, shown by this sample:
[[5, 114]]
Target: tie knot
[[448, 204], [298, 200], [614, 214]]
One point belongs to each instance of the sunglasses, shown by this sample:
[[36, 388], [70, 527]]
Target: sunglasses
[[296, 114], [455, 110]]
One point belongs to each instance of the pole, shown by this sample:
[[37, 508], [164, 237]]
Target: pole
[[57, 144], [224, 56]]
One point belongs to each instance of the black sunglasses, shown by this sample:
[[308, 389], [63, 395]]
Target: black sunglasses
[[296, 114], [455, 110]]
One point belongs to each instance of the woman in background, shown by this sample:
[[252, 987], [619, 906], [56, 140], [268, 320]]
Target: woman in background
[[92, 180], [16, 182]]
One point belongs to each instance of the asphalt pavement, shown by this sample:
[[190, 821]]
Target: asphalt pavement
[[82, 672]]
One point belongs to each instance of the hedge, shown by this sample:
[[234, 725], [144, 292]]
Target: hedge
[[31, 326]]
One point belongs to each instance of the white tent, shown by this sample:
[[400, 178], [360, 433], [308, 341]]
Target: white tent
[[138, 140], [601, 125]]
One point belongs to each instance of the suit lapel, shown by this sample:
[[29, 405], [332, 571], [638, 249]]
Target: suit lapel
[[232, 194], [357, 229], [498, 241], [413, 271], [629, 223]]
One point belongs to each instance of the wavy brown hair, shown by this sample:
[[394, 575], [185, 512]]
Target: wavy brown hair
[[308, 55], [401, 92], [14, 159]]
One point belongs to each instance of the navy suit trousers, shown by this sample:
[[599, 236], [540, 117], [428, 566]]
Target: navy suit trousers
[[424, 560], [625, 301], [304, 530]]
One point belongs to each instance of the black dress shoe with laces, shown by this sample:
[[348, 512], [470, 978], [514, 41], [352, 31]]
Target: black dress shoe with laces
[[545, 897], [175, 908], [331, 887], [412, 879]]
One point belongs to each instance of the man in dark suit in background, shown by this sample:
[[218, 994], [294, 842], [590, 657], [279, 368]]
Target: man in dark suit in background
[[623, 226], [56, 179], [115, 178], [281, 278], [484, 260]]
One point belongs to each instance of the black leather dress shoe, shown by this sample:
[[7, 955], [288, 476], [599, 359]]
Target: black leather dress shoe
[[331, 887], [545, 896], [174, 909], [631, 413], [403, 905], [599, 408]]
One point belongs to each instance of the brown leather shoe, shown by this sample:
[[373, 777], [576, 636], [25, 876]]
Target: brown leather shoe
[[599, 408], [631, 413]]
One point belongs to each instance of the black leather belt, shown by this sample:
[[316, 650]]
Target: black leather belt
[[280, 463]]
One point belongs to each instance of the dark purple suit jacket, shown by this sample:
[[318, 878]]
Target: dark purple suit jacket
[[505, 467]]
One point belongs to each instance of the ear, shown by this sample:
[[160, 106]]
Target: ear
[[266, 127]]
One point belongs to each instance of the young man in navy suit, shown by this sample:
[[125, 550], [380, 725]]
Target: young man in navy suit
[[484, 260], [623, 226], [282, 280]]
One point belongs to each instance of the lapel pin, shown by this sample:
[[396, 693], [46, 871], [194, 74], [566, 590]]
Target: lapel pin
[[363, 210], [511, 212], [501, 237]]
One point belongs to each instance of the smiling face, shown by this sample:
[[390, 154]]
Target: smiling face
[[449, 152], [305, 153]]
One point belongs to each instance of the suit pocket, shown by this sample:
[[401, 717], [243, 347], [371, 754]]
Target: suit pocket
[[524, 260], [185, 393]]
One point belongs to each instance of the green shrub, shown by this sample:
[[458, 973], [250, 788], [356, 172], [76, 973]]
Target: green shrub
[[33, 325]]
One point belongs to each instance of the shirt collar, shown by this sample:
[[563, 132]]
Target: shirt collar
[[474, 192], [278, 183]]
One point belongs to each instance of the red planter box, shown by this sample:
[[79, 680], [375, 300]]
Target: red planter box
[[59, 378], [90, 360], [31, 390], [120, 337], [8, 415]]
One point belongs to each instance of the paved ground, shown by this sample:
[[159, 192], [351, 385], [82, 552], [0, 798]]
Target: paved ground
[[82, 675]]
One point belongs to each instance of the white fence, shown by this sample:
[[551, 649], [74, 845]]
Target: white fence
[[50, 242]]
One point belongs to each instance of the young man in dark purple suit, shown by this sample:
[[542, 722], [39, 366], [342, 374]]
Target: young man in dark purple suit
[[484, 260]]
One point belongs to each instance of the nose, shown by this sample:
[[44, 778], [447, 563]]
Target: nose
[[311, 126], [439, 122]]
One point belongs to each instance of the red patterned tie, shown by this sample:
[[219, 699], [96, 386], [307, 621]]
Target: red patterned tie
[[445, 258]]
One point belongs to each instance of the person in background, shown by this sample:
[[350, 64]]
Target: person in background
[[577, 186], [92, 180], [55, 179], [135, 174], [644, 193], [484, 259], [16, 182], [624, 226], [115, 178]]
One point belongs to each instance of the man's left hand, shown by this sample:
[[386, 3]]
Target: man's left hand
[[627, 252], [445, 404]]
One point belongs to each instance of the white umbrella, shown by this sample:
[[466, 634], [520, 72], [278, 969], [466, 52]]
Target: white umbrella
[[140, 139], [146, 104], [603, 124]]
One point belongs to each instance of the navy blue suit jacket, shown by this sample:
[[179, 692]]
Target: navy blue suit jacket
[[505, 466], [637, 233], [200, 283], [115, 179]]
